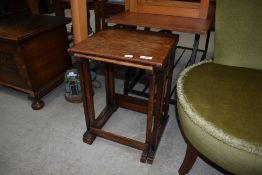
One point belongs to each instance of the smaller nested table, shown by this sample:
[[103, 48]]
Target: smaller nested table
[[153, 52]]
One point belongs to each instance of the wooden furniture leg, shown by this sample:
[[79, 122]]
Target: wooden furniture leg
[[156, 116], [95, 124], [127, 80], [189, 160], [161, 104], [150, 111], [33, 5], [110, 85], [88, 102], [97, 10], [37, 104], [171, 67]]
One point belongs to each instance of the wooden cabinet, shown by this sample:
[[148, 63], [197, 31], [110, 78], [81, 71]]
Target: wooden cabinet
[[33, 54], [185, 8]]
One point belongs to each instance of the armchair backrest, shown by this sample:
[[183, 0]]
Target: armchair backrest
[[238, 33]]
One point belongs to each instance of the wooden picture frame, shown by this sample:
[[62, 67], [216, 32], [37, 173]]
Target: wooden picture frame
[[182, 8]]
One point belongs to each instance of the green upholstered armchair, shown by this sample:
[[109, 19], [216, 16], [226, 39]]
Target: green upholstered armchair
[[220, 102]]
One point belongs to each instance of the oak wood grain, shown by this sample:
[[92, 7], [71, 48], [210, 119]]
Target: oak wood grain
[[109, 44], [192, 9], [33, 54], [166, 22]]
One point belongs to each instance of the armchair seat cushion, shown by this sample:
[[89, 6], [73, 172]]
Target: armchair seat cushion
[[220, 111]]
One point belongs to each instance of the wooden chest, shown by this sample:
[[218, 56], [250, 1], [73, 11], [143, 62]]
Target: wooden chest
[[33, 54]]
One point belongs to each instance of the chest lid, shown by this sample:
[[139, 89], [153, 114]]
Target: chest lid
[[22, 27]]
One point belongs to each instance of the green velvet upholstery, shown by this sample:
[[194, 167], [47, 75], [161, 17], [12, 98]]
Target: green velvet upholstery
[[227, 97], [234, 160], [238, 36], [220, 102], [220, 109]]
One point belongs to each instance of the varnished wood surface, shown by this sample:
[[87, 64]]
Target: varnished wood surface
[[79, 19], [116, 44], [192, 9], [189, 160], [21, 27], [114, 61], [109, 47], [176, 3], [119, 139], [131, 103], [33, 5], [35, 58], [13, 7], [167, 22]]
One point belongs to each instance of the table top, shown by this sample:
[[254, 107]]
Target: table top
[[166, 22], [117, 44], [21, 27]]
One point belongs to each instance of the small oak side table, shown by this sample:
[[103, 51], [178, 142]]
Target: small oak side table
[[153, 52]]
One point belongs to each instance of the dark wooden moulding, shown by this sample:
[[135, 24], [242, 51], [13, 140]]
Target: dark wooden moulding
[[109, 47], [33, 54]]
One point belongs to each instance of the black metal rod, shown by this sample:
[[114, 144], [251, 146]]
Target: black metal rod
[[136, 79], [189, 48], [172, 101], [174, 88], [194, 51], [206, 46], [146, 87], [179, 58]]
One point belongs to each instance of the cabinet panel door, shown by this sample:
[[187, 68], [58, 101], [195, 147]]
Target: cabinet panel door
[[13, 72]]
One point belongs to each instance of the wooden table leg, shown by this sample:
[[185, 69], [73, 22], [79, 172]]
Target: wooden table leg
[[110, 85], [127, 80], [150, 122], [94, 125], [156, 115], [169, 81], [155, 107], [88, 102]]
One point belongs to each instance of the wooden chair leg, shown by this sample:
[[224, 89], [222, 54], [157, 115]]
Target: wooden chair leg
[[97, 16], [189, 160], [103, 14]]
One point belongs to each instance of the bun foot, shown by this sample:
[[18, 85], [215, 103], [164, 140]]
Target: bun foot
[[38, 104]]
